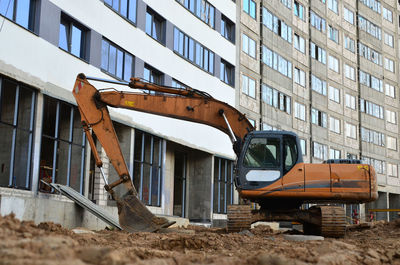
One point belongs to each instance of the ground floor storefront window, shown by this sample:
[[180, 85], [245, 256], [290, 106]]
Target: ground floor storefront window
[[62, 155], [17, 109], [147, 173], [223, 185]]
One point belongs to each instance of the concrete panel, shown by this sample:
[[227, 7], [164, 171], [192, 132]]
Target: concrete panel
[[49, 22], [199, 195]]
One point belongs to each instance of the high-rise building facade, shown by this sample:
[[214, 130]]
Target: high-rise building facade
[[329, 71], [179, 168]]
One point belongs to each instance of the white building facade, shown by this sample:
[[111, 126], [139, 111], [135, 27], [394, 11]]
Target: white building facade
[[179, 168]]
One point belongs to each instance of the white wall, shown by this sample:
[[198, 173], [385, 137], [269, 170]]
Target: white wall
[[30, 59]]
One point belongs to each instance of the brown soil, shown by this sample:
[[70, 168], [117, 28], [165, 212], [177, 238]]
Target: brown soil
[[49, 243]]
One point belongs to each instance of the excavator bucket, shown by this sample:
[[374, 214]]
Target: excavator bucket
[[135, 217]]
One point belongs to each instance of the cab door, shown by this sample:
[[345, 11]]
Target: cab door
[[293, 172]]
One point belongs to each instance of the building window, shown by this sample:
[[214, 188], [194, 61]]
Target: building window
[[389, 65], [371, 136], [152, 75], [223, 185], [175, 83], [333, 5], [22, 12], [155, 26], [277, 62], [249, 86], [287, 3], [267, 127], [318, 118], [388, 15], [299, 10], [334, 94], [392, 170], [369, 27], [348, 15], [303, 145], [390, 90], [299, 77], [391, 116], [299, 43], [334, 153], [392, 143], [201, 9], [349, 43], [252, 122], [371, 108], [318, 85], [351, 156], [62, 155], [249, 7], [227, 73], [299, 111], [17, 110], [147, 169], [388, 39], [333, 64], [371, 81], [318, 53], [351, 131], [276, 99], [370, 54], [318, 22], [333, 34], [350, 101], [373, 4], [193, 51], [277, 25], [126, 8], [334, 125], [227, 29], [378, 165], [115, 61], [320, 151], [349, 72], [72, 37], [248, 46]]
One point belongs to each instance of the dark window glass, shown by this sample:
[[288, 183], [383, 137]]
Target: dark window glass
[[116, 61], [227, 73], [263, 153], [126, 8], [201, 9], [16, 129], [20, 11], [152, 75], [223, 185], [155, 25], [227, 29], [147, 176], [62, 156], [72, 37]]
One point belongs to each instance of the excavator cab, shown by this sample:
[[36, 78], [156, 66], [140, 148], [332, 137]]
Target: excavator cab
[[266, 157]]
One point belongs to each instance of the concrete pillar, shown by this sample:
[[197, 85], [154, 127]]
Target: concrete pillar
[[37, 134], [380, 203], [167, 191], [199, 182]]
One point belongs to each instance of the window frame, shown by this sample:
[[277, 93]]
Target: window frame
[[69, 24], [157, 20]]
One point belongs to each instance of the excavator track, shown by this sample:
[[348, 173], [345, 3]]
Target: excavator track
[[333, 221], [239, 218]]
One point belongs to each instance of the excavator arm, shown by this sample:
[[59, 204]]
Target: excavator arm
[[186, 104]]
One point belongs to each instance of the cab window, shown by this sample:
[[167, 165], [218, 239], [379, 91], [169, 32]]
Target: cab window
[[263, 153], [290, 153]]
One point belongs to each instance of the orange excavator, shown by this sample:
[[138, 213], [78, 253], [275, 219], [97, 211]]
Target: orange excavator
[[269, 169]]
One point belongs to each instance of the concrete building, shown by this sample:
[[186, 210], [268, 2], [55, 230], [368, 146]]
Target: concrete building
[[329, 71], [180, 169]]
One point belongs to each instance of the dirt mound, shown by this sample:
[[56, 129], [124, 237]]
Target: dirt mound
[[49, 243]]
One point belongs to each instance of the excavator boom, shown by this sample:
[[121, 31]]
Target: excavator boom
[[191, 105]]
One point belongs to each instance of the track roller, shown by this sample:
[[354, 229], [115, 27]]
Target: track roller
[[239, 218]]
